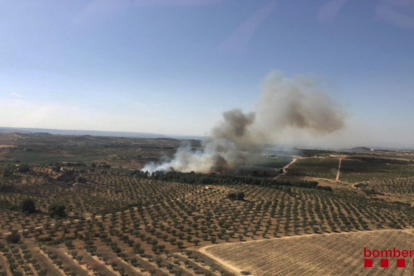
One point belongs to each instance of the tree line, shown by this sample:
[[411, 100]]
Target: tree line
[[223, 179]]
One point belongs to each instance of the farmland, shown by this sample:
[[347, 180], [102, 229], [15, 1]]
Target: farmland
[[352, 169], [315, 167], [327, 254], [96, 213]]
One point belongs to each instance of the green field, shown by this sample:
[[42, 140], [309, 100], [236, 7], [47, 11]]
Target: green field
[[352, 170], [273, 162], [315, 167], [44, 158], [358, 171]]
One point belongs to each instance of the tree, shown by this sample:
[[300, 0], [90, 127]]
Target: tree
[[136, 247], [57, 210], [236, 196], [14, 237], [7, 173], [82, 179], [57, 168], [28, 206], [240, 195], [24, 168], [68, 243]]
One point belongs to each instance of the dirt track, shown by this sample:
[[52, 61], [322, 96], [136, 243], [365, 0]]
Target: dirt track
[[287, 166], [230, 267], [339, 169]]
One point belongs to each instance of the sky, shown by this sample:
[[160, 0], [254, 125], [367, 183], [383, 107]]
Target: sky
[[173, 66]]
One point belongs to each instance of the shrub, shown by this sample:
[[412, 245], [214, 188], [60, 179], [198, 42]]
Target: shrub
[[24, 168], [14, 237], [7, 173], [57, 210], [236, 196], [82, 179], [28, 206]]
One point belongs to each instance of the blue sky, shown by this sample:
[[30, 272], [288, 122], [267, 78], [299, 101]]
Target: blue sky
[[173, 66]]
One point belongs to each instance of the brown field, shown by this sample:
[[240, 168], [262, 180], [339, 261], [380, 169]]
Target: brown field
[[326, 254]]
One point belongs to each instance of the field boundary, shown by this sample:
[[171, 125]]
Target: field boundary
[[230, 267], [237, 270]]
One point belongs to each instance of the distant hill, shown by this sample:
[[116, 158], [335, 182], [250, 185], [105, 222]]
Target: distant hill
[[81, 132], [359, 149]]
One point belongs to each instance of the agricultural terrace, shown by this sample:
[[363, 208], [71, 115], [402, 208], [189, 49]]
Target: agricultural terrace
[[398, 189], [145, 224], [327, 254], [105, 217]]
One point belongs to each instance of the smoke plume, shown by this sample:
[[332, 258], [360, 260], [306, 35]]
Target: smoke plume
[[284, 103]]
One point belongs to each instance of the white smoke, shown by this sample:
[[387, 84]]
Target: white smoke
[[284, 103]]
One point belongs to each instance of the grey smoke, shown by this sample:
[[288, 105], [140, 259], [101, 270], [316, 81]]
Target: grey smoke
[[296, 102]]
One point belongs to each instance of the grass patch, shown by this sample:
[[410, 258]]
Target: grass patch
[[358, 171], [273, 162], [315, 167], [42, 158]]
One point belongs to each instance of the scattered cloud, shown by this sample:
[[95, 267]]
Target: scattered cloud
[[16, 95], [401, 3], [182, 3], [97, 11], [239, 40], [397, 12], [100, 10], [395, 16], [329, 10]]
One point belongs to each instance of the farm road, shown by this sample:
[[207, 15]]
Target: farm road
[[284, 169], [339, 169]]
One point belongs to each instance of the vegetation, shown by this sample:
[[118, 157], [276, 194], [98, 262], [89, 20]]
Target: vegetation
[[315, 167], [328, 254], [354, 170], [24, 168], [238, 195], [14, 237], [57, 211], [99, 208], [28, 206], [197, 178]]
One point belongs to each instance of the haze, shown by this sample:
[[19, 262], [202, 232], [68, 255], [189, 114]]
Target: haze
[[173, 67]]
